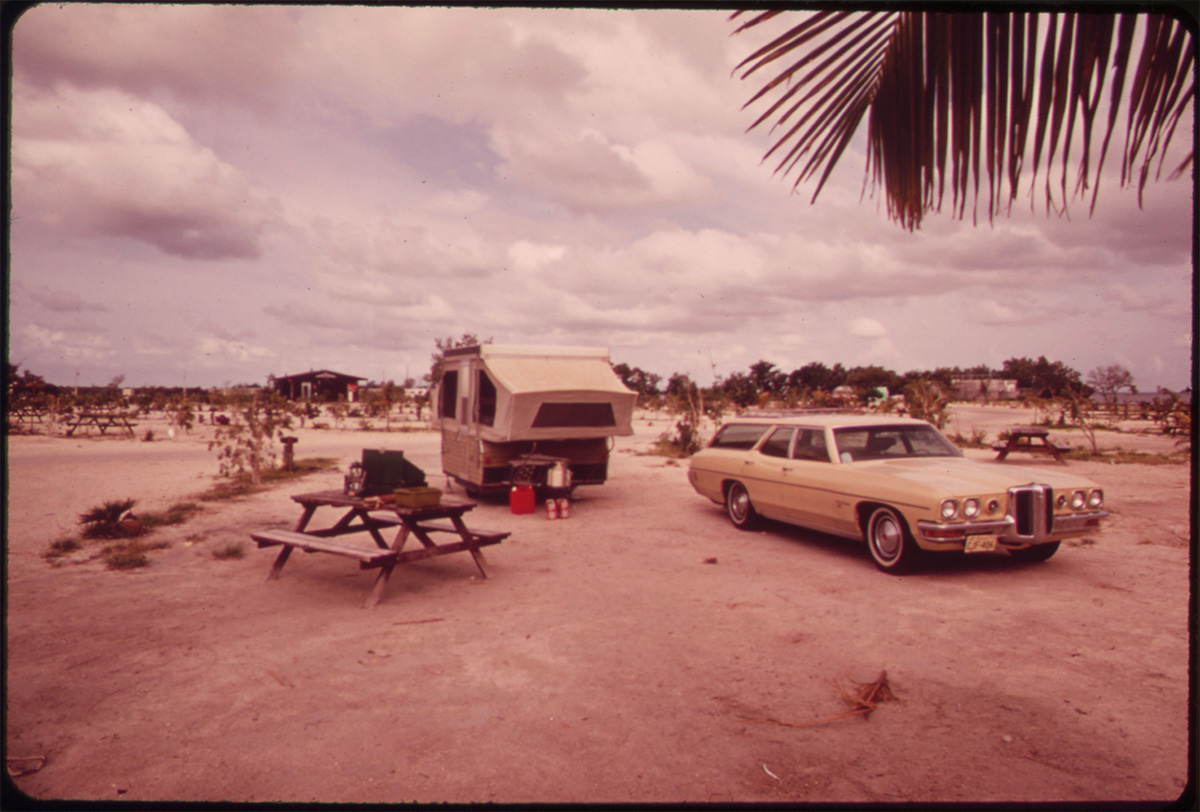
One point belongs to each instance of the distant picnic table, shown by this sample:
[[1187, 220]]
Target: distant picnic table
[[26, 414], [1021, 438], [103, 421]]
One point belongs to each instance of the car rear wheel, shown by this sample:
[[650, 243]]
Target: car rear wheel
[[1035, 554], [891, 545], [737, 505]]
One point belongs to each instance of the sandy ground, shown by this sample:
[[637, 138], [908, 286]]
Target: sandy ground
[[642, 650]]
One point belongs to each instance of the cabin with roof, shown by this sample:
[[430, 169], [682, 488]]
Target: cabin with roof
[[321, 386]]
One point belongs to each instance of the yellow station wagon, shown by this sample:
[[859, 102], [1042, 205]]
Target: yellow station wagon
[[896, 483]]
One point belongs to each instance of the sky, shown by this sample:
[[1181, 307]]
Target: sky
[[209, 195]]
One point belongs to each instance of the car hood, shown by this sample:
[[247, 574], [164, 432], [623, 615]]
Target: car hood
[[956, 475]]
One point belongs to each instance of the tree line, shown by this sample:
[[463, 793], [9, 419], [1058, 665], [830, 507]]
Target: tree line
[[816, 381]]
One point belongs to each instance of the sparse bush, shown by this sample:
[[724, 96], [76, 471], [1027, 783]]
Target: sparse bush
[[125, 557], [61, 547], [231, 550], [925, 400], [177, 513], [112, 520], [247, 443], [128, 555], [978, 439]]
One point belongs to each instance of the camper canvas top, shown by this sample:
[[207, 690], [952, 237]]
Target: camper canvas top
[[536, 393]]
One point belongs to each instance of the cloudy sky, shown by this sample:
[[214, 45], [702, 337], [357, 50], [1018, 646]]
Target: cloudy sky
[[213, 194]]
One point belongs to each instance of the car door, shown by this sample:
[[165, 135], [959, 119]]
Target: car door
[[769, 467], [807, 469]]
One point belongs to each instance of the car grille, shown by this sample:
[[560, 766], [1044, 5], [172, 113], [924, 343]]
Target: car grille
[[1032, 509]]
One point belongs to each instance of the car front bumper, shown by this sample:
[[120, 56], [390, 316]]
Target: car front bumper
[[1006, 530]]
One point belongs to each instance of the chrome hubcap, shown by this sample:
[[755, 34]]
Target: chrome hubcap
[[739, 503], [888, 537]]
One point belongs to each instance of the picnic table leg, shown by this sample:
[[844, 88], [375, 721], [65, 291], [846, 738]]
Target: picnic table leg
[[476, 553], [385, 572], [309, 510], [280, 560]]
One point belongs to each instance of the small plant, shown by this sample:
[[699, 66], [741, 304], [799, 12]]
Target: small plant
[[978, 439], [125, 557], [128, 555], [247, 443], [61, 547], [177, 513], [926, 401], [148, 437], [112, 520], [231, 550]]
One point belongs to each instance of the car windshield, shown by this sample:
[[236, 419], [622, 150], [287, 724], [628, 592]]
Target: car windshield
[[891, 442]]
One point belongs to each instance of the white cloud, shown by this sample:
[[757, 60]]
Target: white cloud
[[867, 328], [120, 166]]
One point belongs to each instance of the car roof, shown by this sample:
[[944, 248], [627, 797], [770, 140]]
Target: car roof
[[823, 419]]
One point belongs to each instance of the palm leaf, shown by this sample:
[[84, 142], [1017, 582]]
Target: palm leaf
[[963, 99]]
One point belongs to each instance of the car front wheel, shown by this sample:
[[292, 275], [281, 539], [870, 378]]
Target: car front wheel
[[1037, 553], [737, 505], [891, 545]]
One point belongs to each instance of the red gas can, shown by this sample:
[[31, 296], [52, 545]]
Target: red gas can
[[521, 499]]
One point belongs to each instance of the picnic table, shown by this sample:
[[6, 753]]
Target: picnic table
[[372, 515], [26, 414], [103, 421], [1021, 438]]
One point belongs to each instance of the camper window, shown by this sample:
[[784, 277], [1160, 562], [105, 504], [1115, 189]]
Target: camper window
[[487, 400], [449, 393], [558, 415]]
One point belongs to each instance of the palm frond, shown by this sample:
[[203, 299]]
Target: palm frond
[[968, 98]]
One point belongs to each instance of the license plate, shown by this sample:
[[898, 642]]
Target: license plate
[[980, 544]]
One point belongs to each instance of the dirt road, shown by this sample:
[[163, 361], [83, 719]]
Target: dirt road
[[641, 651]]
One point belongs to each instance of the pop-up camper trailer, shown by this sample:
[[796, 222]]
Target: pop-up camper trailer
[[532, 415]]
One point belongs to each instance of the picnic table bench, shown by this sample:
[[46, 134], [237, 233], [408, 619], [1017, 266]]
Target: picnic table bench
[[1021, 438], [370, 515], [103, 421]]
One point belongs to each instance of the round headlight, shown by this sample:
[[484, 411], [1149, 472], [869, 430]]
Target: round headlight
[[1096, 498], [1062, 500], [949, 509], [993, 506], [1078, 500], [971, 508]]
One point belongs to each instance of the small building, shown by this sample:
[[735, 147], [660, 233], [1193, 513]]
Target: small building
[[322, 386], [980, 388]]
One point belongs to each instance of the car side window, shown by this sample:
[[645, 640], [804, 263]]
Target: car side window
[[778, 443], [741, 436], [810, 445]]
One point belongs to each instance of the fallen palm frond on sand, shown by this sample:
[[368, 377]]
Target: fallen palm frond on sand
[[862, 700]]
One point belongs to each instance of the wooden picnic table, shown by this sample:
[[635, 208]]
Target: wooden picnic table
[[25, 414], [371, 515], [103, 421], [1021, 438]]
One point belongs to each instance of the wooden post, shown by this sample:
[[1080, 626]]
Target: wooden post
[[289, 452]]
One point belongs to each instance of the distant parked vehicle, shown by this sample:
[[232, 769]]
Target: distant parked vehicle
[[543, 416], [896, 483]]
